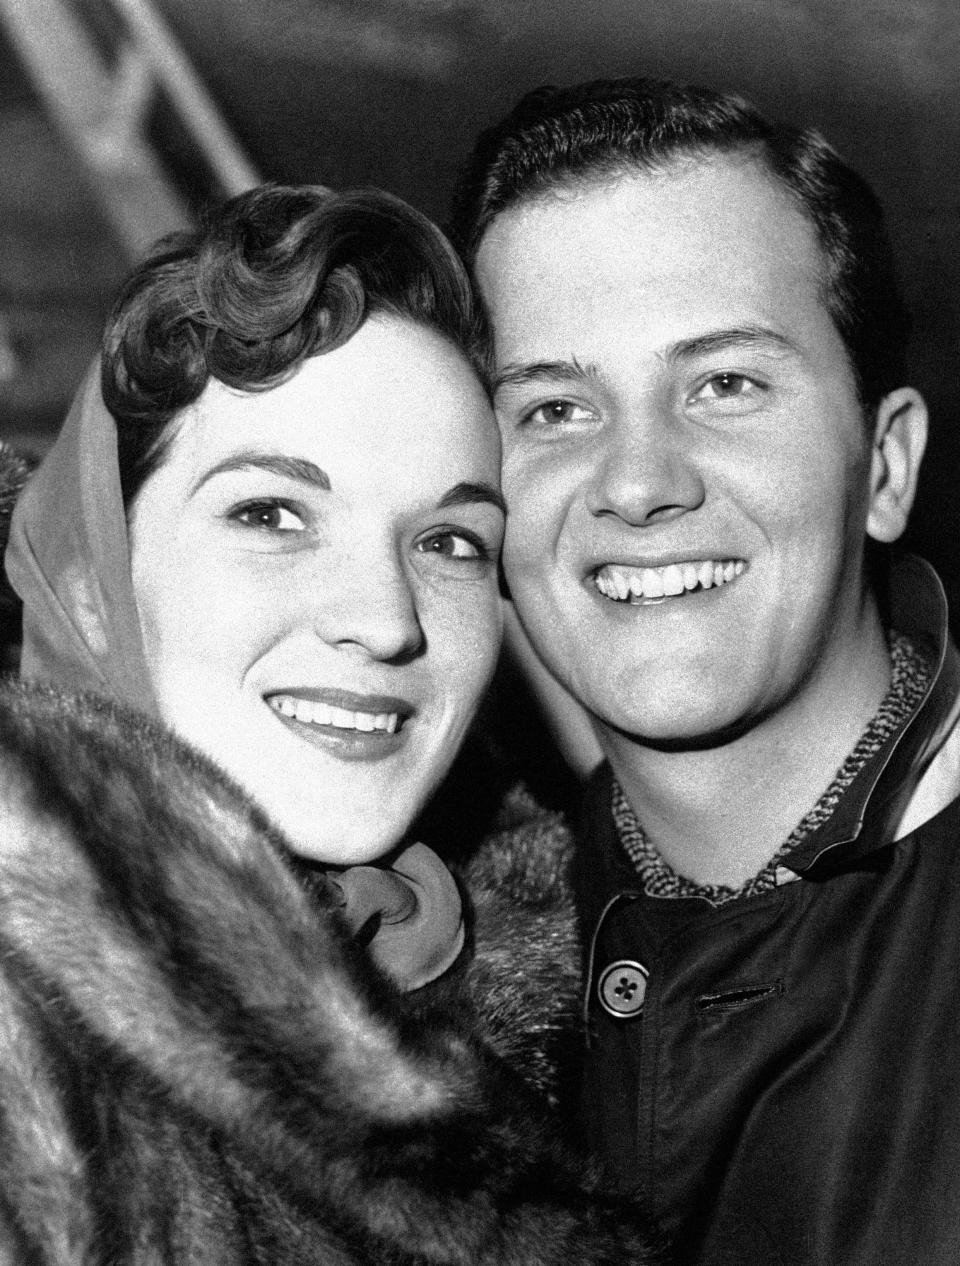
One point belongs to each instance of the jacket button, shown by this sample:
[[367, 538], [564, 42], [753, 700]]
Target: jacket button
[[622, 988]]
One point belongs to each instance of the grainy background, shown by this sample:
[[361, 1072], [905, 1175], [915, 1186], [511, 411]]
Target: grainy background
[[391, 92]]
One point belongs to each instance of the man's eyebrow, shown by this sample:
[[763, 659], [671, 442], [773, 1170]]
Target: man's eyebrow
[[542, 371], [467, 493], [281, 464], [554, 371], [759, 336]]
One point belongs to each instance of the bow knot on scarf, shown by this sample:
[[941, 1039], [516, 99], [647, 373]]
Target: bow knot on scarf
[[408, 914]]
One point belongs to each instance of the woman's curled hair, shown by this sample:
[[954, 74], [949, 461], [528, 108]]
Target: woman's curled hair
[[272, 277]]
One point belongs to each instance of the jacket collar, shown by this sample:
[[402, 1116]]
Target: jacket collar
[[873, 805]]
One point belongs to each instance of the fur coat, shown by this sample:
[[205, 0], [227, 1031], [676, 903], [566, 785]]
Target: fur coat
[[199, 1066]]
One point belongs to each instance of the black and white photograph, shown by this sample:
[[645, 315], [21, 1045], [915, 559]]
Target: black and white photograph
[[479, 702]]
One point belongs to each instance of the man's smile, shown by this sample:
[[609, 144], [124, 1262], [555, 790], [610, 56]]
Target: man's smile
[[622, 583]]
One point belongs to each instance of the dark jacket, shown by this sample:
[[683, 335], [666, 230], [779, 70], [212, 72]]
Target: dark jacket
[[199, 1066], [789, 1091]]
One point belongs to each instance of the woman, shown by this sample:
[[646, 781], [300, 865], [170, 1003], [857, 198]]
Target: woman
[[228, 1036]]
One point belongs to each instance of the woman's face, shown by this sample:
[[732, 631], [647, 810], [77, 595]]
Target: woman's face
[[314, 569]]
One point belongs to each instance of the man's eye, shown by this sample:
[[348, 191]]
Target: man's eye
[[557, 411], [268, 516], [726, 387], [451, 544]]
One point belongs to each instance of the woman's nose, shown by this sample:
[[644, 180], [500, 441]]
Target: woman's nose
[[646, 471], [371, 604]]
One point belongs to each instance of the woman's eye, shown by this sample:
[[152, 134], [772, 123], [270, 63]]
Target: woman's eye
[[454, 545], [268, 516], [557, 411], [726, 387]]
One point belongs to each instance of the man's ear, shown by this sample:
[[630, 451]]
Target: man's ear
[[899, 438]]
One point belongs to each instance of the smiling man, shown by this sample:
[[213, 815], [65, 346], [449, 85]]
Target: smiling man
[[708, 447]]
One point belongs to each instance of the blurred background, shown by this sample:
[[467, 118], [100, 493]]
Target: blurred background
[[119, 118]]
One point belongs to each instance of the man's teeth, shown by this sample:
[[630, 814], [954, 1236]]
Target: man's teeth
[[630, 583], [310, 713]]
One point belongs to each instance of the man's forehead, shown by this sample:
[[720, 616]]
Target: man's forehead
[[673, 262], [689, 205]]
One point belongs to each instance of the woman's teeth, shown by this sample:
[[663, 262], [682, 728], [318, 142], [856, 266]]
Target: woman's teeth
[[310, 713], [625, 584]]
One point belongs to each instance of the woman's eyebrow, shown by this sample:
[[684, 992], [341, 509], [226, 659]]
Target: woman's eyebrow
[[467, 493], [282, 464]]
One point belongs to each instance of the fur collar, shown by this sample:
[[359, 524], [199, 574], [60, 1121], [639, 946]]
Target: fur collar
[[200, 1065]]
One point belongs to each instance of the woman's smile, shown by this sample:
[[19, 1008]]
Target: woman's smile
[[353, 727]]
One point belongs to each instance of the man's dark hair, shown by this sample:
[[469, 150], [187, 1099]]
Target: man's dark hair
[[271, 278], [560, 136]]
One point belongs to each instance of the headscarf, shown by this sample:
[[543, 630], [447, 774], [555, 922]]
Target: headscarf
[[69, 560]]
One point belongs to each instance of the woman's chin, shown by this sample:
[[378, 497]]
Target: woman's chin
[[330, 855], [346, 849]]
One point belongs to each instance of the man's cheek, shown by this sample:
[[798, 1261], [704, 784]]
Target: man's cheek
[[524, 558]]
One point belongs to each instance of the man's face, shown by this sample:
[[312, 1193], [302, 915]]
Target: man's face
[[686, 464]]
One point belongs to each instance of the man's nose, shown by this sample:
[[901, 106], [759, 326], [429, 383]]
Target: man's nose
[[368, 601], [647, 469]]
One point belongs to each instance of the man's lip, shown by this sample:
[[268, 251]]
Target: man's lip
[[642, 585], [347, 699], [657, 562]]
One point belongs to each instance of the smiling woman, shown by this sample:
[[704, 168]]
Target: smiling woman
[[241, 1019]]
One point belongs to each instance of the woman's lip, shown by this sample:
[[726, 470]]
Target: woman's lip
[[348, 745], [348, 700]]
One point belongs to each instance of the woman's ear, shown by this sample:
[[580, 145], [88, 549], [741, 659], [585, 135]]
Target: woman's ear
[[899, 438]]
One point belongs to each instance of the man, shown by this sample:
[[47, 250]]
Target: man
[[708, 447]]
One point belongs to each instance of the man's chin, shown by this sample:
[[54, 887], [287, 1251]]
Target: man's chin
[[677, 731]]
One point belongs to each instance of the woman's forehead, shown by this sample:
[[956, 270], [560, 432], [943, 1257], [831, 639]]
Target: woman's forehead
[[395, 397]]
